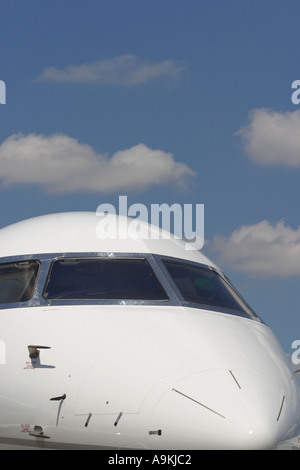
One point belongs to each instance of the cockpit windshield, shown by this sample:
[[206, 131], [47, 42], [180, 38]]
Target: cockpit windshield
[[117, 278], [17, 281], [103, 279], [205, 287]]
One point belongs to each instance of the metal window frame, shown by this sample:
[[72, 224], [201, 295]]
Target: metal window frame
[[160, 260], [155, 261], [46, 261]]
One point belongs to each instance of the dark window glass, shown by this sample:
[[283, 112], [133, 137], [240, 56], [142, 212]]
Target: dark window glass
[[205, 287], [17, 281], [103, 278]]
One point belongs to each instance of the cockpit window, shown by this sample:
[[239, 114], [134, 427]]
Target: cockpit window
[[17, 281], [103, 279], [206, 287]]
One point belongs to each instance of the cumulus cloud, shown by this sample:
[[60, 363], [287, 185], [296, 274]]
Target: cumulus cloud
[[122, 70], [261, 250], [61, 164], [273, 138]]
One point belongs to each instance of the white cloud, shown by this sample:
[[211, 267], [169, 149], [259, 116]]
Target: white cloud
[[261, 250], [273, 138], [61, 164], [122, 70]]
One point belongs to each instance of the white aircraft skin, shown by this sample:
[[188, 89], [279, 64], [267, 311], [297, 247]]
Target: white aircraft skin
[[132, 374]]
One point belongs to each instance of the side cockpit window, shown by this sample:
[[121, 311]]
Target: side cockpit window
[[103, 279], [17, 281], [206, 288]]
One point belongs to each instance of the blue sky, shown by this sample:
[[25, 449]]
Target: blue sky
[[195, 96]]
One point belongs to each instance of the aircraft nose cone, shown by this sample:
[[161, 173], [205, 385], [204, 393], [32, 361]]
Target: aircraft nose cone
[[259, 436], [221, 409], [246, 432]]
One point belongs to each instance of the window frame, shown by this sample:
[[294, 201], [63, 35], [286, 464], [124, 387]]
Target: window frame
[[156, 263], [104, 300], [47, 259], [252, 315], [18, 260]]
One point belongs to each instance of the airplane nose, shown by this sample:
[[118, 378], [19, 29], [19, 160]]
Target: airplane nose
[[227, 409]]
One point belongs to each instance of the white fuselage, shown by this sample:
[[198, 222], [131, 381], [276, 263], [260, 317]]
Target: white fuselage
[[205, 380], [134, 374]]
